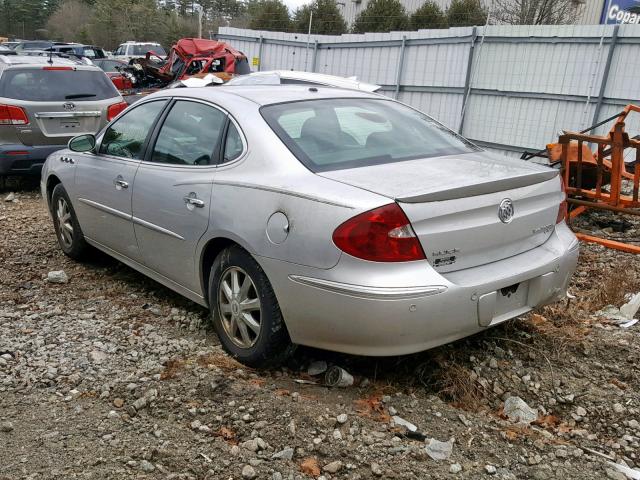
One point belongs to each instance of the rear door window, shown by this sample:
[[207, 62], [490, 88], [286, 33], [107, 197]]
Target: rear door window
[[190, 135], [127, 135], [40, 85]]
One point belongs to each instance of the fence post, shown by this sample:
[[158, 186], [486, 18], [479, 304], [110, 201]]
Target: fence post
[[467, 80], [315, 56], [605, 74], [400, 65], [260, 41]]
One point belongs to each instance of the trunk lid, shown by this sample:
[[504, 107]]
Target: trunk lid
[[55, 123], [453, 204]]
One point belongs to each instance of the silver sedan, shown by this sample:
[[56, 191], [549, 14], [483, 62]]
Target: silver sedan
[[333, 218]]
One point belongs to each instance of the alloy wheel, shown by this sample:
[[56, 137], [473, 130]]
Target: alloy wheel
[[65, 227], [239, 307]]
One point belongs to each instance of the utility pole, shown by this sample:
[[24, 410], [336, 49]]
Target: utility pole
[[200, 21], [306, 55]]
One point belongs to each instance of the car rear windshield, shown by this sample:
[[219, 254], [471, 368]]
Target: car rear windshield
[[39, 85], [142, 50], [331, 134]]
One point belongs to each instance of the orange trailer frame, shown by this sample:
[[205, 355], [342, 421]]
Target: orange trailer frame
[[608, 161]]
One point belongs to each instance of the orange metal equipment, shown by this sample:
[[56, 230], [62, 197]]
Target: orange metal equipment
[[584, 173]]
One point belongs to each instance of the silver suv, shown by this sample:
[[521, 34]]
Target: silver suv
[[44, 103]]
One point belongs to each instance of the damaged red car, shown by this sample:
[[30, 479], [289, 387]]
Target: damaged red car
[[188, 57]]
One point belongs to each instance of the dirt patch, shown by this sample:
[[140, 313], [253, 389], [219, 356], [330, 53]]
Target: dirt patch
[[113, 376]]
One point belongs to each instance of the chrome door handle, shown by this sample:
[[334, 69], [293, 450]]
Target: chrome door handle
[[196, 202], [120, 184]]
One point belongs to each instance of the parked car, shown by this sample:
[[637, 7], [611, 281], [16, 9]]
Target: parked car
[[332, 218], [11, 44], [113, 68], [43, 103], [286, 77], [7, 51], [78, 50], [129, 50], [32, 45]]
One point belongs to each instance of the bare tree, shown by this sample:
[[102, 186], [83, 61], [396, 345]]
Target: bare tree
[[69, 21], [535, 12]]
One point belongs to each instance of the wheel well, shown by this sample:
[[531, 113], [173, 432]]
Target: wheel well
[[209, 254], [52, 181]]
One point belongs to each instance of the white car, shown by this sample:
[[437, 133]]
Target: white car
[[292, 77], [128, 50]]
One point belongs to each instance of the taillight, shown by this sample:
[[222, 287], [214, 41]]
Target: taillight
[[562, 210], [380, 235], [12, 115], [114, 110]]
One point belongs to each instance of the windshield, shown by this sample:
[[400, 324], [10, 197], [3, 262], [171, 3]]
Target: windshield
[[56, 85], [337, 133], [141, 50]]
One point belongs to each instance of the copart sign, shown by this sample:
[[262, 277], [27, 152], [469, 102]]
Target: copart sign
[[621, 11]]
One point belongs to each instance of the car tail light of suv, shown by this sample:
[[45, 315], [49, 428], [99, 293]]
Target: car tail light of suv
[[562, 210], [114, 110], [380, 235], [12, 115]]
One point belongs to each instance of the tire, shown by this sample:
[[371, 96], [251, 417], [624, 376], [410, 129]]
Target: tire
[[65, 223], [268, 345]]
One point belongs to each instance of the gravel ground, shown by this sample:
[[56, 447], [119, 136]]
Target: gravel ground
[[110, 375]]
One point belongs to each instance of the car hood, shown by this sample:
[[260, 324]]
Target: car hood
[[444, 178]]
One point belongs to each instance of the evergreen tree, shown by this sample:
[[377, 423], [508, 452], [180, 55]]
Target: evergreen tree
[[327, 19], [270, 15], [465, 13], [429, 15], [381, 16]]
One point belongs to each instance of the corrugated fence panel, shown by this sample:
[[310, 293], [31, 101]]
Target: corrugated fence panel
[[436, 65], [522, 122], [445, 108], [526, 82]]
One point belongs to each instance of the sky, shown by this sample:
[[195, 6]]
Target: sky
[[293, 4]]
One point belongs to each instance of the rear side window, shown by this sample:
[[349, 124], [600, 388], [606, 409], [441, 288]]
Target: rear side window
[[126, 136], [233, 144], [89, 53], [39, 85]]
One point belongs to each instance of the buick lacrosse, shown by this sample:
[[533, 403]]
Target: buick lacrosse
[[339, 219]]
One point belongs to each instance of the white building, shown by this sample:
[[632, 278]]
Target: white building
[[588, 12]]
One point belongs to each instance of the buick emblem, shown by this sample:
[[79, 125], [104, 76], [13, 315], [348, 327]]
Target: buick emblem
[[506, 211], [69, 106]]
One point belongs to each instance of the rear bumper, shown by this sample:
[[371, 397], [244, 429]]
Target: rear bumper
[[412, 308], [23, 160]]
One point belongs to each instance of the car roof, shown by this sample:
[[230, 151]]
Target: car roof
[[266, 94], [332, 80], [37, 61]]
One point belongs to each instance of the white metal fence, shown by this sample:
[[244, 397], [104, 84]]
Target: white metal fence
[[508, 88]]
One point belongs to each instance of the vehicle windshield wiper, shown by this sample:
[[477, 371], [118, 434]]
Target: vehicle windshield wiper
[[79, 95]]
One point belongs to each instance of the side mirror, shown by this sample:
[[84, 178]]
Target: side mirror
[[82, 143]]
